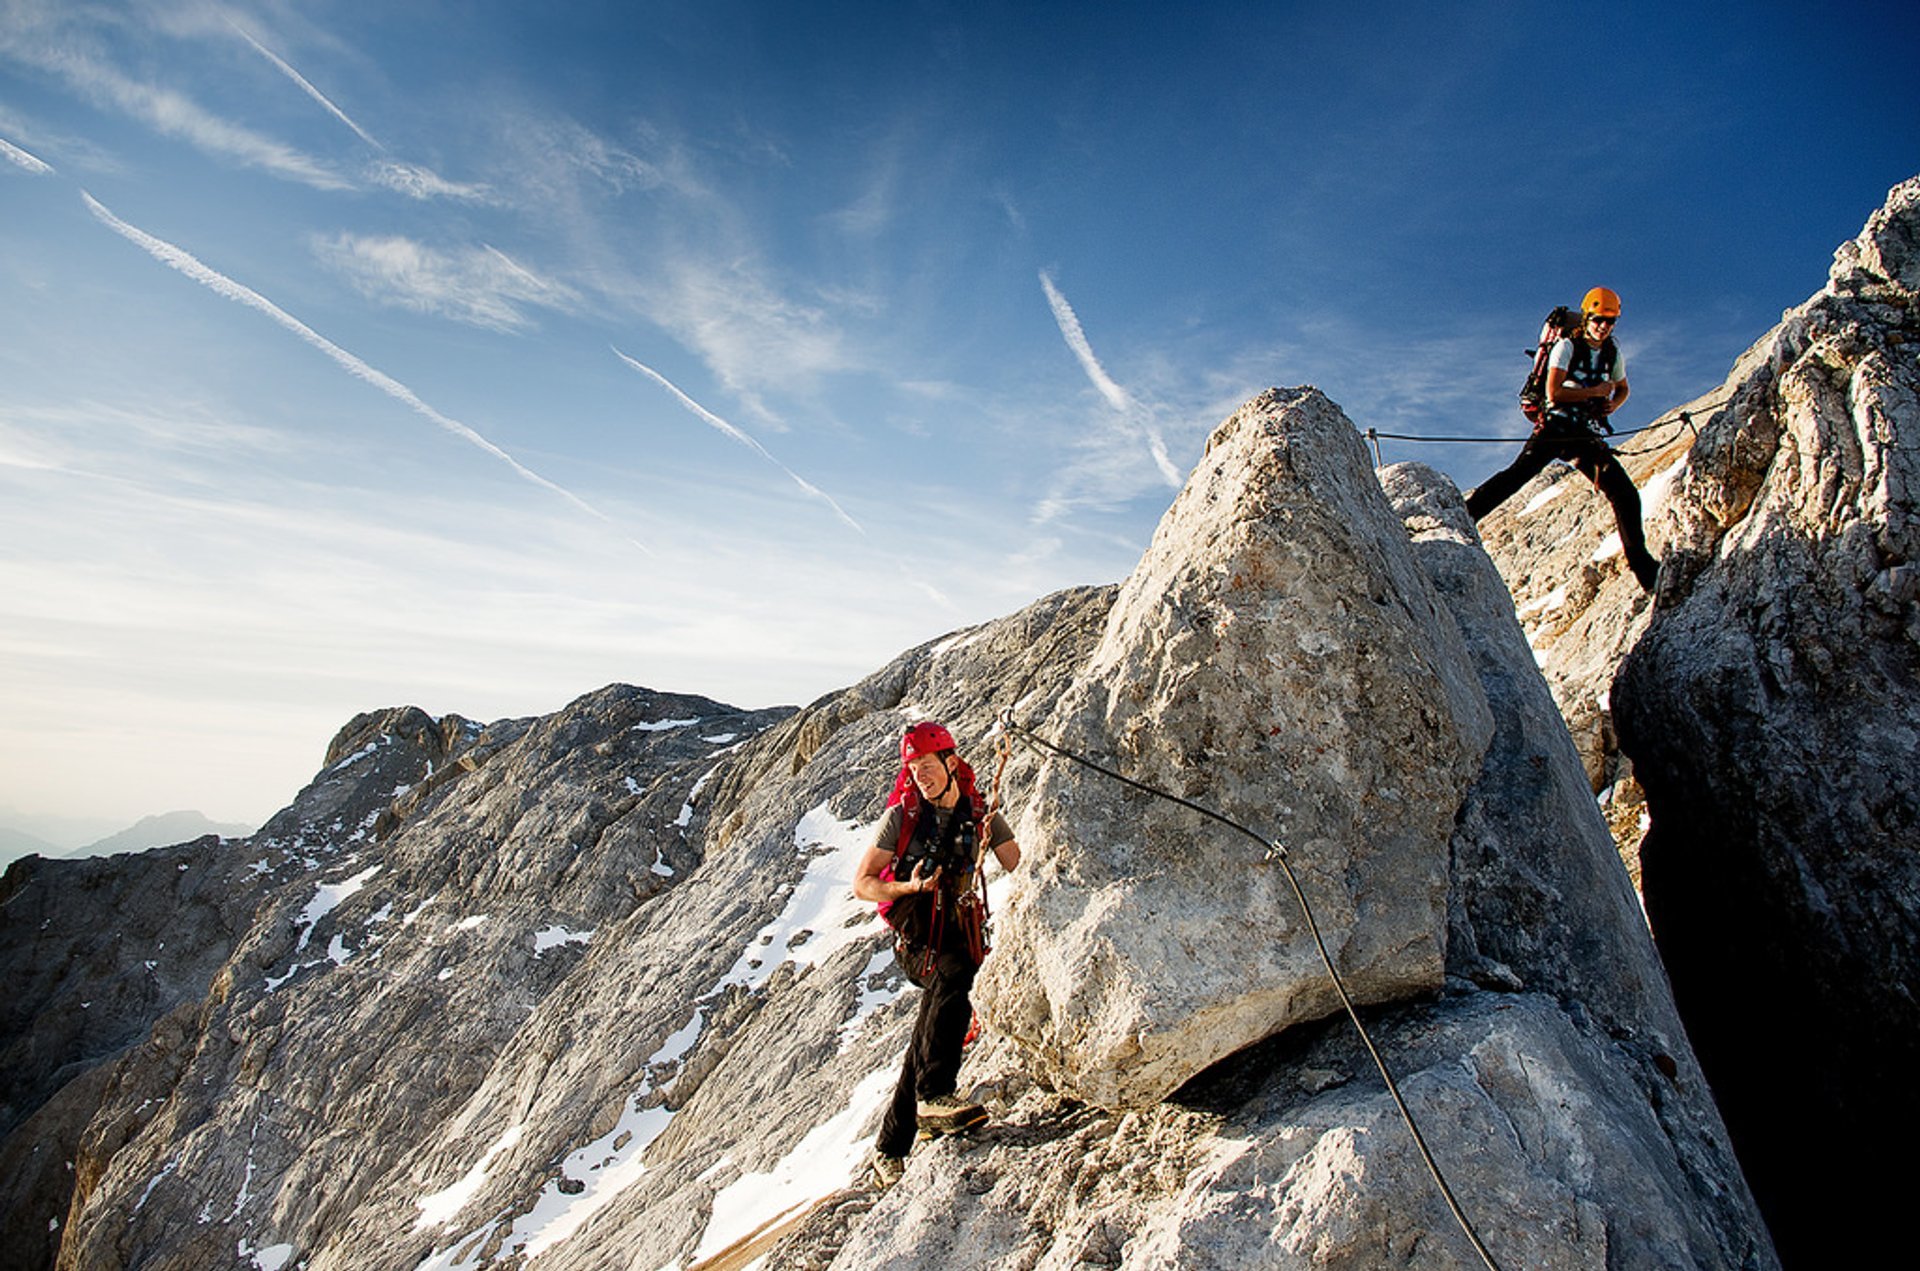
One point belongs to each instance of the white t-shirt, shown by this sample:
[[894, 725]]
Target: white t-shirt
[[1562, 357]]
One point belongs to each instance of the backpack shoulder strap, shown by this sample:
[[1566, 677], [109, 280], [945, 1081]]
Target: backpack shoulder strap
[[909, 817]]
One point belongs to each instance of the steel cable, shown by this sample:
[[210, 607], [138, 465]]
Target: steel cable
[[1275, 851]]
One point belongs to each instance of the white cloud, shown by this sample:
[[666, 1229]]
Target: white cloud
[[1102, 474], [304, 85], [175, 258], [750, 336], [421, 183], [411, 180], [478, 285], [47, 39]]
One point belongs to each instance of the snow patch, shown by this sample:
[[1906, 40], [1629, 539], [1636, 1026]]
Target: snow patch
[[326, 899], [1545, 497], [1609, 546], [271, 1258], [556, 935], [821, 916], [819, 1164], [155, 1181], [720, 739], [604, 1169], [1656, 488], [1552, 600], [686, 809], [869, 999], [958, 640], [360, 754], [468, 924], [439, 1209], [662, 725]]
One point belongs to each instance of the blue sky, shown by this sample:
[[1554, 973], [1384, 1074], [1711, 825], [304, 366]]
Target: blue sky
[[474, 355]]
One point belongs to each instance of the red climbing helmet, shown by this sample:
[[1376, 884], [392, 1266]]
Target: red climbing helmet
[[925, 738]]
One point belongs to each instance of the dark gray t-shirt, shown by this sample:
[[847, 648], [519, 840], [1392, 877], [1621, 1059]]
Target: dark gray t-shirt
[[886, 836]]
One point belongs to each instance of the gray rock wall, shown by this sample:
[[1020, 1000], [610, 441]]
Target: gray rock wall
[[1772, 715]]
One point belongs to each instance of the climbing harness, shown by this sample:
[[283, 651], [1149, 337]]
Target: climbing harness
[[1276, 852]]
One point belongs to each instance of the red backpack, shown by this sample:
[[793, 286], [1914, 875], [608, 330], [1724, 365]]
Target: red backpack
[[1562, 324]]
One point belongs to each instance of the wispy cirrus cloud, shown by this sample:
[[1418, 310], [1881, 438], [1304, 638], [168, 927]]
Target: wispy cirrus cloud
[[481, 286], [729, 430], [747, 332], [409, 179], [421, 183], [21, 158], [51, 40], [178, 259]]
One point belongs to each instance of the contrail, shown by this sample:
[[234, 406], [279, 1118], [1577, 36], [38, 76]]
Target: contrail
[[25, 160], [176, 258], [1117, 397], [727, 428], [305, 86], [1069, 324]]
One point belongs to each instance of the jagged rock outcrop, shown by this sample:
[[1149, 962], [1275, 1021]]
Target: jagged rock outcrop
[[101, 950], [1766, 704], [1572, 1096], [1772, 712], [1278, 655], [604, 999], [1556, 546]]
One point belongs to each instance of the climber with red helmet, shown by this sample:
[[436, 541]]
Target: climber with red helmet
[[923, 870], [1585, 380]]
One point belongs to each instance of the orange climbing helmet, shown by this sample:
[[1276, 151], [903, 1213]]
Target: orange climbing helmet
[[1601, 302]]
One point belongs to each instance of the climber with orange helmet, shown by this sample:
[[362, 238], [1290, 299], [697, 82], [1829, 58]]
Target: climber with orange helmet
[[1584, 381], [923, 871]]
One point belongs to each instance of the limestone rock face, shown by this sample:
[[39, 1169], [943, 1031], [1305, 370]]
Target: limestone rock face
[[590, 991], [1278, 655], [1538, 896], [1557, 549], [1772, 715], [1564, 1105], [1293, 1157]]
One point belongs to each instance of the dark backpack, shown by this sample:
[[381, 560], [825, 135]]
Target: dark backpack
[[1562, 324]]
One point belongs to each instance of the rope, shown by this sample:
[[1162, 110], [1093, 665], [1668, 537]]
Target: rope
[[1374, 435], [1275, 851]]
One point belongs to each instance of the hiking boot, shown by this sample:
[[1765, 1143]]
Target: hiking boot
[[884, 1171], [949, 1114]]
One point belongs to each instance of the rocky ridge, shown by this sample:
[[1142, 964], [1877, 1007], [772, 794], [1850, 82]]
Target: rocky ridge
[[588, 990], [1766, 704], [592, 992]]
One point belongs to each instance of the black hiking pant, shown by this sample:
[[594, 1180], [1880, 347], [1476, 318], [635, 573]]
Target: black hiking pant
[[932, 1065], [1593, 459]]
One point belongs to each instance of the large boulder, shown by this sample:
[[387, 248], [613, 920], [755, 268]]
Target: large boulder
[[1564, 1106], [1772, 711], [1278, 654]]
